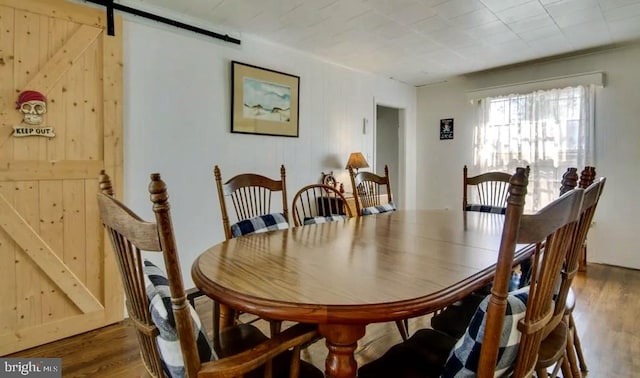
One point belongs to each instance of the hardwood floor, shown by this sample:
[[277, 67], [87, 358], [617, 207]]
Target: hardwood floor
[[607, 316]]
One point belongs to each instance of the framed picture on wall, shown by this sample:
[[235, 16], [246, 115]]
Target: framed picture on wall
[[446, 128], [264, 101]]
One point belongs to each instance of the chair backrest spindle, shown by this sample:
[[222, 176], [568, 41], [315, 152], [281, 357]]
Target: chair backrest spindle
[[181, 347]]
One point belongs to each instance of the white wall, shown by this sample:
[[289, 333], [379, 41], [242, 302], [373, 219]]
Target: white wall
[[177, 121], [615, 237]]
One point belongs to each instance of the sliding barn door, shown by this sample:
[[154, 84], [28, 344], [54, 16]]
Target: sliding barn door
[[56, 277]]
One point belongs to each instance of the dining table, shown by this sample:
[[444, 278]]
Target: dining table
[[344, 275]]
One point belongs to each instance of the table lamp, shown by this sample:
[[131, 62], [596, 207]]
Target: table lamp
[[357, 161]]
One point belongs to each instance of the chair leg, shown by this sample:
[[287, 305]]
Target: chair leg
[[582, 262], [566, 368], [560, 365], [227, 316], [571, 354], [294, 370], [542, 373], [275, 326], [556, 369], [577, 345], [192, 294], [403, 327]]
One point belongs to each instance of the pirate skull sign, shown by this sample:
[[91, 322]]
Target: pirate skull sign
[[32, 105]]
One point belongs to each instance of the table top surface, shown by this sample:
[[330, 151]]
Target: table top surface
[[366, 269]]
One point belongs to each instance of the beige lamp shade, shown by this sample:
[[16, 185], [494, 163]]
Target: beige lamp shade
[[357, 161]]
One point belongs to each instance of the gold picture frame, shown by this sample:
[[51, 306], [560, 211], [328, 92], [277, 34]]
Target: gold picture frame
[[264, 101]]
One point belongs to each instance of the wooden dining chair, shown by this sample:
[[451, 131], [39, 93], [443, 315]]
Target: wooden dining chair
[[505, 333], [593, 191], [561, 343], [172, 339], [453, 319], [486, 192], [319, 203], [372, 192], [251, 197], [248, 205]]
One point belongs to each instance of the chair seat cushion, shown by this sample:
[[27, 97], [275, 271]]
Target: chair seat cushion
[[486, 209], [431, 353], [241, 337], [379, 209], [423, 355], [321, 219], [262, 223], [159, 295], [454, 319], [465, 356]]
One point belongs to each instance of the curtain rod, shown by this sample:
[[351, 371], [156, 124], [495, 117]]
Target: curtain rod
[[111, 6], [596, 78]]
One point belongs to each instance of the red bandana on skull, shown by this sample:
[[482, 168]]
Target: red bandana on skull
[[32, 105], [29, 96]]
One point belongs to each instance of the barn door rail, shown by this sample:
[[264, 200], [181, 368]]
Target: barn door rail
[[111, 6]]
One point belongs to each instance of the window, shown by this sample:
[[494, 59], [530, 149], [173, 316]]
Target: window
[[549, 131]]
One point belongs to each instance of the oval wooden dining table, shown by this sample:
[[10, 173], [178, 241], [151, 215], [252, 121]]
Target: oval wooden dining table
[[344, 275]]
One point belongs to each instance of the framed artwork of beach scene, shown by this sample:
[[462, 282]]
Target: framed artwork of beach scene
[[263, 101]]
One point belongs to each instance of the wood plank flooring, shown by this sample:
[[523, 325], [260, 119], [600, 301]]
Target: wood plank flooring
[[607, 316]]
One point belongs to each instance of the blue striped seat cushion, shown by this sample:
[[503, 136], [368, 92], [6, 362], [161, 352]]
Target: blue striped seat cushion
[[321, 219], [262, 223], [464, 358], [379, 209], [487, 209], [159, 295]]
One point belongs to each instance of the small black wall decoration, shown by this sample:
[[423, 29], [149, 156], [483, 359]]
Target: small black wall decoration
[[446, 128]]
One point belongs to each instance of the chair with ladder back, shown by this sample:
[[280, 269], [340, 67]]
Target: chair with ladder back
[[173, 341], [251, 203], [505, 333]]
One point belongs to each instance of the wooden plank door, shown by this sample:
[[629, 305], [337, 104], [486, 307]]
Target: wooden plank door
[[57, 278]]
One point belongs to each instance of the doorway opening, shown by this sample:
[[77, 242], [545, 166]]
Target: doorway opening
[[388, 128]]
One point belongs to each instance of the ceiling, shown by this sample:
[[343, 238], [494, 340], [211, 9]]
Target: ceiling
[[416, 41]]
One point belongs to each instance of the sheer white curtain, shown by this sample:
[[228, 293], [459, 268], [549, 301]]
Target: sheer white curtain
[[548, 131]]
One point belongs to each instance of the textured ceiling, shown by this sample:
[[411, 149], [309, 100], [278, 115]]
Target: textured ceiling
[[416, 41]]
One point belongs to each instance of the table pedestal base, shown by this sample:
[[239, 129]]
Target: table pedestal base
[[342, 341]]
